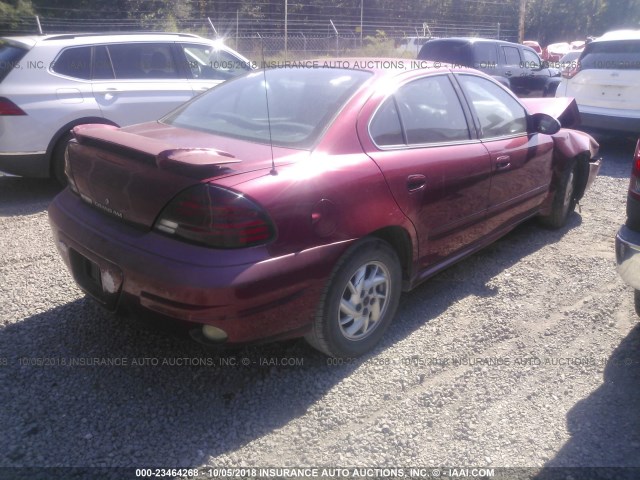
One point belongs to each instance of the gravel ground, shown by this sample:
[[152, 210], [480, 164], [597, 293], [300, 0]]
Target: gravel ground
[[524, 355]]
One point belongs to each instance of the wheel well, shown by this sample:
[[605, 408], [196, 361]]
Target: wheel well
[[60, 133], [582, 174], [400, 241]]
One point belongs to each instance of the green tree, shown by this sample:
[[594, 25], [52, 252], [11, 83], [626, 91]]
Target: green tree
[[14, 15]]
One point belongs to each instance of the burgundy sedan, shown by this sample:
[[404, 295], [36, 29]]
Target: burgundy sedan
[[303, 201]]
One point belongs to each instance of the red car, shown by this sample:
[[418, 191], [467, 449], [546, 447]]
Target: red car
[[303, 201]]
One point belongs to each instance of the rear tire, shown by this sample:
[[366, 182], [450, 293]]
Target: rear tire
[[57, 159], [564, 201], [359, 301]]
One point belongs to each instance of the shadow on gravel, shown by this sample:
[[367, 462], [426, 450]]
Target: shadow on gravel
[[25, 196], [605, 426], [617, 154], [131, 397], [471, 277]]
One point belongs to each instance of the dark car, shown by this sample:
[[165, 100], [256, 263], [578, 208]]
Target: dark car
[[516, 66], [302, 201], [628, 237]]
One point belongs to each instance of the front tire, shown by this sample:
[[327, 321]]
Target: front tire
[[564, 200], [359, 301]]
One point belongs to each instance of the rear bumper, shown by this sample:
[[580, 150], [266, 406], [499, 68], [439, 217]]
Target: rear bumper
[[31, 164], [606, 120], [247, 293], [628, 256]]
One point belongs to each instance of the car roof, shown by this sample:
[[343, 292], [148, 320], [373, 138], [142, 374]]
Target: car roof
[[473, 40], [103, 37], [619, 35]]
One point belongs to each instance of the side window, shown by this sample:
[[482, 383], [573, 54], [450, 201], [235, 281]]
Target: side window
[[512, 55], [431, 112], [385, 128], [498, 112], [74, 62], [485, 54], [102, 68], [207, 62], [531, 59], [142, 61]]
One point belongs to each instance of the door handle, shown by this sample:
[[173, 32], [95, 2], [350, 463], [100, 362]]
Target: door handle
[[503, 162], [416, 182], [508, 74]]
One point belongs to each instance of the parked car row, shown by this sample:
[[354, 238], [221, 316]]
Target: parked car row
[[517, 67]]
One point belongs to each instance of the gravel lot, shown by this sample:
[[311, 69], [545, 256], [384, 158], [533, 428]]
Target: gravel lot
[[524, 355]]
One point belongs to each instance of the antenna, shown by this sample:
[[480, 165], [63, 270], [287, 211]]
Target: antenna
[[266, 96], [214, 28]]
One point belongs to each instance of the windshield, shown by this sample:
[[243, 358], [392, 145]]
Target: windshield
[[302, 103]]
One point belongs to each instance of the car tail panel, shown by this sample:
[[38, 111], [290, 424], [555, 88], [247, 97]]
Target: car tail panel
[[606, 89]]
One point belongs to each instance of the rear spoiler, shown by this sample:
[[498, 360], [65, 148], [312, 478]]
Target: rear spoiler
[[149, 150], [563, 109]]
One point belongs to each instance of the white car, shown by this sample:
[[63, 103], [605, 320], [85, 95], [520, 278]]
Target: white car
[[52, 83], [605, 83]]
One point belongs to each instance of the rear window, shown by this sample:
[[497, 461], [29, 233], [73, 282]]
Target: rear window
[[302, 103], [611, 55], [10, 55], [456, 52]]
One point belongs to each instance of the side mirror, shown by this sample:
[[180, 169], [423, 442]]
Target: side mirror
[[543, 123]]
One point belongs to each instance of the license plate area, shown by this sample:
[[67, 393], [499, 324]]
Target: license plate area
[[102, 281]]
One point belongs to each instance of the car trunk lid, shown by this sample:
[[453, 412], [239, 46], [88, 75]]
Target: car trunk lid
[[132, 176]]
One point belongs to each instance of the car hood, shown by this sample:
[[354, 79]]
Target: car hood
[[564, 109]]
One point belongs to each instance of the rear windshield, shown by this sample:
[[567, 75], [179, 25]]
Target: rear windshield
[[302, 103], [10, 55], [612, 55], [458, 53]]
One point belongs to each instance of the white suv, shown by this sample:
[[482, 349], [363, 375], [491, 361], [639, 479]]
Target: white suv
[[606, 82], [51, 83]]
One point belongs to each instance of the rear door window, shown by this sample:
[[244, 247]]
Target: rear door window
[[611, 55], [143, 60], [512, 55], [429, 110], [485, 54]]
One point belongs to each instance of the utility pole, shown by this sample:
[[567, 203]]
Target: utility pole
[[286, 27], [523, 8], [361, 15]]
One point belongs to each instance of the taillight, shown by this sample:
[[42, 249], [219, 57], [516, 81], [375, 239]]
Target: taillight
[[571, 71], [68, 173], [634, 185], [7, 107], [215, 217]]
